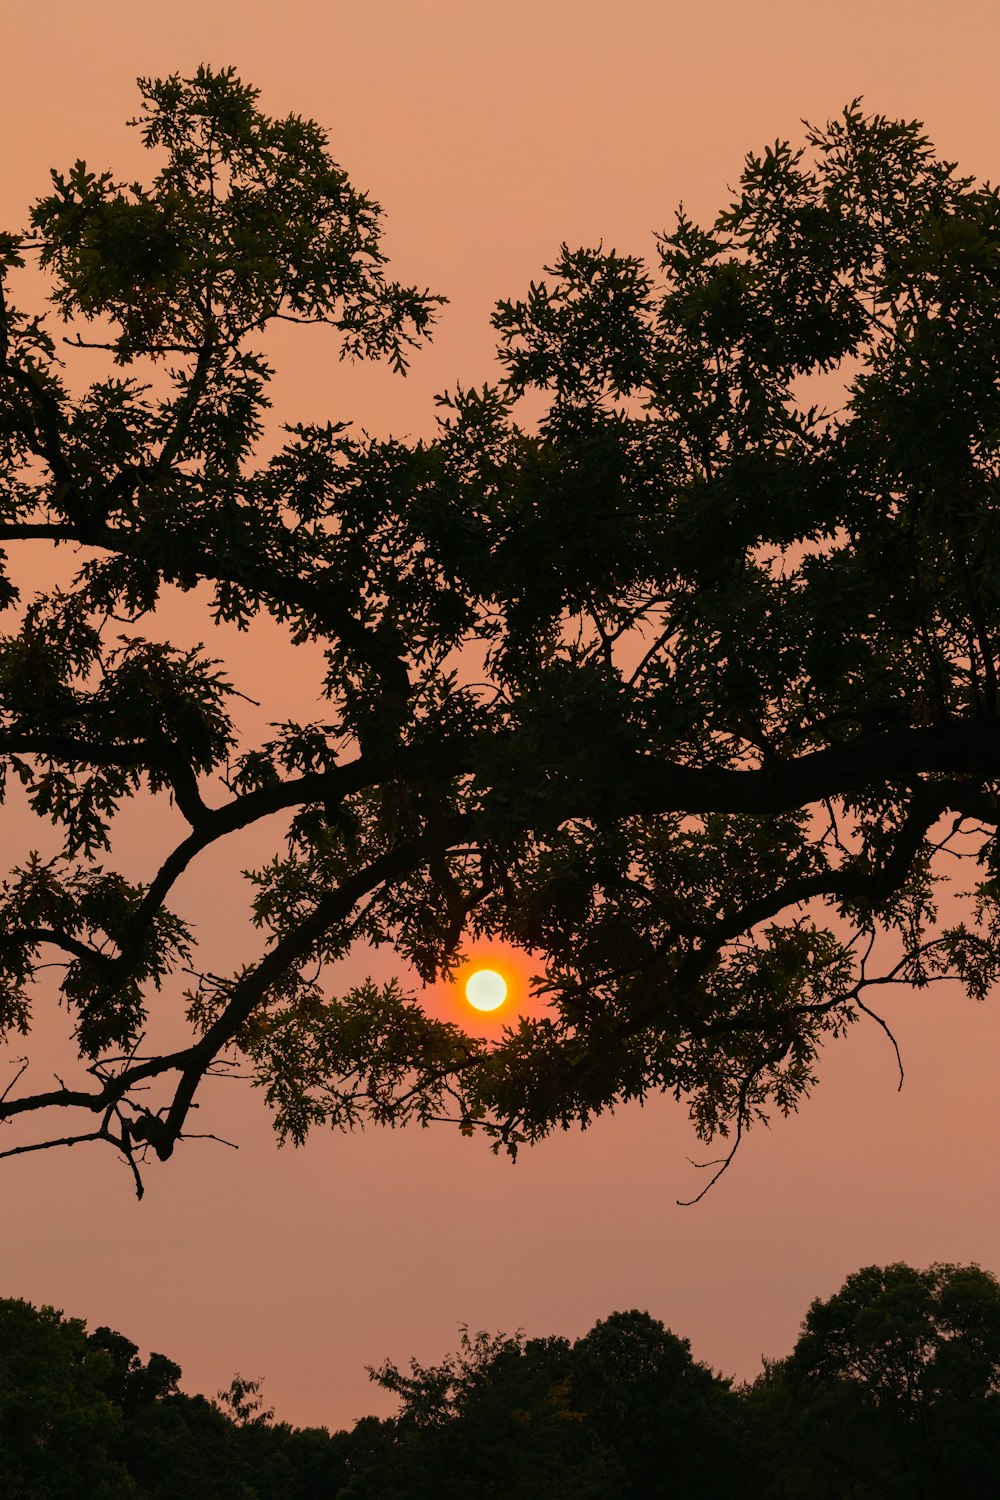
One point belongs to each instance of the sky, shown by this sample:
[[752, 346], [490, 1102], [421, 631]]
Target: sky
[[490, 134]]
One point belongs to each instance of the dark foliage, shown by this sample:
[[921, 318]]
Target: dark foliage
[[893, 1389], [82, 1416], [735, 679]]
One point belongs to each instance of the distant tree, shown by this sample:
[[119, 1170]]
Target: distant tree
[[59, 1431], [82, 1418], [893, 1389], [497, 1420], [186, 1445], [243, 1403], [675, 1427], [131, 1384], [684, 688], [623, 1411]]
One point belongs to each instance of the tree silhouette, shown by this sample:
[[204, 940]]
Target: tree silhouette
[[892, 1389], [674, 1425], [82, 1416], [59, 1430], [623, 1411], [497, 1419], [684, 688]]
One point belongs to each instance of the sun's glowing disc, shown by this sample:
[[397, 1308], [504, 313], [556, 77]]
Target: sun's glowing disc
[[486, 989]]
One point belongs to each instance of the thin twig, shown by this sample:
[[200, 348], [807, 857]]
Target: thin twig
[[24, 1061], [207, 1136], [66, 1140], [888, 1031], [722, 1162]]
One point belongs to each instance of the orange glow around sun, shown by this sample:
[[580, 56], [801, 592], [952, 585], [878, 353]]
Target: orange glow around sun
[[491, 985]]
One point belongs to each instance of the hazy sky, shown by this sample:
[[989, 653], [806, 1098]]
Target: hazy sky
[[490, 133]]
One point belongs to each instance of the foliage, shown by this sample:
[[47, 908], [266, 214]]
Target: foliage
[[674, 1425], [893, 1389], [734, 653], [58, 1428], [496, 1420], [505, 1417], [623, 1411], [82, 1416]]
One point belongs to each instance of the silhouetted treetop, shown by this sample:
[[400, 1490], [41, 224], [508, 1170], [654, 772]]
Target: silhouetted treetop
[[891, 1390], [684, 687]]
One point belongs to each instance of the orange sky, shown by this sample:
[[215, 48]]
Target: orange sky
[[490, 133]]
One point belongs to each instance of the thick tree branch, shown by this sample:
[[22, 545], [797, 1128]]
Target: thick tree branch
[[961, 750]]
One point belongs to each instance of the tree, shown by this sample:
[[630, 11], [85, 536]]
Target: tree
[[59, 1431], [892, 1389], [735, 683], [498, 1419], [625, 1411], [82, 1416], [675, 1427]]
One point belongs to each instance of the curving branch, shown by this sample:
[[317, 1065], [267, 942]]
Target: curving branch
[[162, 1130]]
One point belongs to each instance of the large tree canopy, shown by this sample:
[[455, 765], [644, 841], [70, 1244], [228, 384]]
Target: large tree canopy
[[683, 686]]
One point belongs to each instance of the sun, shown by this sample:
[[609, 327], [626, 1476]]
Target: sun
[[486, 989]]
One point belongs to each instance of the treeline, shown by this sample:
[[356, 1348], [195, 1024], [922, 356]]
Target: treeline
[[893, 1389]]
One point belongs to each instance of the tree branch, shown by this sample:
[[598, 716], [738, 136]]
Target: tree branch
[[247, 992]]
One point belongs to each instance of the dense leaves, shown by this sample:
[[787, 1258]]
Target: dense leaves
[[892, 1389], [683, 687], [59, 1426], [82, 1416]]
